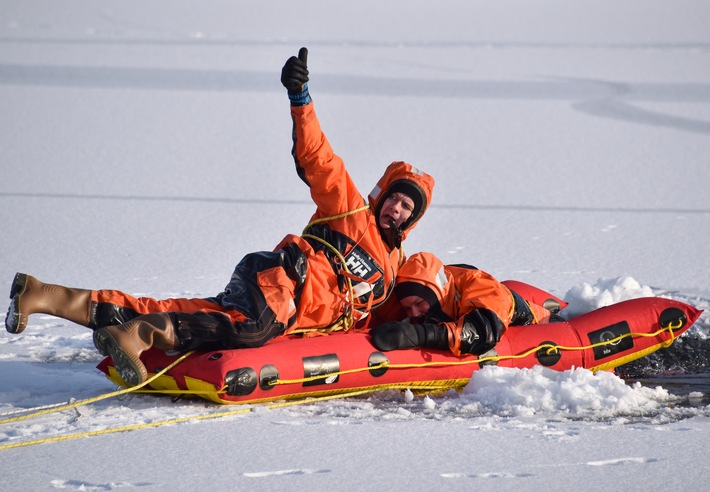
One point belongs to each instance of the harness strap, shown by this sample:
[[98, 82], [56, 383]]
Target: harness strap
[[347, 320]]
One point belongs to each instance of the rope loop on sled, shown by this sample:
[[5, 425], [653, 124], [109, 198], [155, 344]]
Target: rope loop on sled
[[551, 348]]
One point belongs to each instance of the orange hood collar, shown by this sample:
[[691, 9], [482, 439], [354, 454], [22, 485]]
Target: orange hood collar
[[394, 174], [423, 275]]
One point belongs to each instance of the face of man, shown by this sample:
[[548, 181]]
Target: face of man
[[397, 208], [415, 306]]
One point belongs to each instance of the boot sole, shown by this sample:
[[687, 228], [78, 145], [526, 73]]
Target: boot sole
[[12, 319], [131, 373]]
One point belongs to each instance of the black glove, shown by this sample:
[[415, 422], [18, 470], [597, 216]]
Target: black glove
[[403, 334], [294, 77], [480, 331]]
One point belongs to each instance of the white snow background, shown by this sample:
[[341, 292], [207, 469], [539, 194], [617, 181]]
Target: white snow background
[[145, 146]]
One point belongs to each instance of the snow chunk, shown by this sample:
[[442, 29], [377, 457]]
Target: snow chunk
[[577, 393], [586, 297]]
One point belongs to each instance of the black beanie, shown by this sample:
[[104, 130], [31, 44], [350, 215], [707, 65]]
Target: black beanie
[[406, 289], [413, 191]]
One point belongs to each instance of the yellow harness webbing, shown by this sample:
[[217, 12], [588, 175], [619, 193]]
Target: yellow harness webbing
[[347, 321]]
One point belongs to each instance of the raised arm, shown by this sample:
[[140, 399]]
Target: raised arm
[[317, 165]]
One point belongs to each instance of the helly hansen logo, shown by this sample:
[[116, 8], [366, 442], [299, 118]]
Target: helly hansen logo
[[359, 264]]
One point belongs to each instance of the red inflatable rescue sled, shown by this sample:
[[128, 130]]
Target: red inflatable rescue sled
[[347, 363]]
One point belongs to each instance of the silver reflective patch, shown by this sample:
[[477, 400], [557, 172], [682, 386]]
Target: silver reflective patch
[[441, 278], [375, 193]]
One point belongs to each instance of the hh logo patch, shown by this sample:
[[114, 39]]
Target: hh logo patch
[[360, 264], [610, 333]]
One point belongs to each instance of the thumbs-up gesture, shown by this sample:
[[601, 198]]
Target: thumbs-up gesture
[[294, 74]]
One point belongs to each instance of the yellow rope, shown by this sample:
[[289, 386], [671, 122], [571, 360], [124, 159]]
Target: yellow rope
[[334, 217], [552, 348], [348, 320], [178, 420], [121, 429], [105, 396]]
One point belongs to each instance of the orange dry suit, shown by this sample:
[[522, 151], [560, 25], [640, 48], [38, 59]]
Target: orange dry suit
[[343, 265], [470, 308]]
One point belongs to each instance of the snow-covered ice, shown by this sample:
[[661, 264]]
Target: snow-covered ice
[[145, 146]]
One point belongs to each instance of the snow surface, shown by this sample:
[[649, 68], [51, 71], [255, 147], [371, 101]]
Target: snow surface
[[146, 147]]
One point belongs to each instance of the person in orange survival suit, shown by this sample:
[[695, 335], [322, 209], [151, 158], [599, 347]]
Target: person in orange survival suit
[[455, 307], [342, 265]]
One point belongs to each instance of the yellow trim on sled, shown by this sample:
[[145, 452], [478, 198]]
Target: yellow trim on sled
[[207, 390], [628, 358], [167, 385], [162, 384]]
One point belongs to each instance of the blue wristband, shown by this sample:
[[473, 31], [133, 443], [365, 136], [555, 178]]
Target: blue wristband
[[302, 98]]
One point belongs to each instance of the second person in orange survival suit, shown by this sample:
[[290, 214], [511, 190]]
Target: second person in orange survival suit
[[343, 265], [459, 308]]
